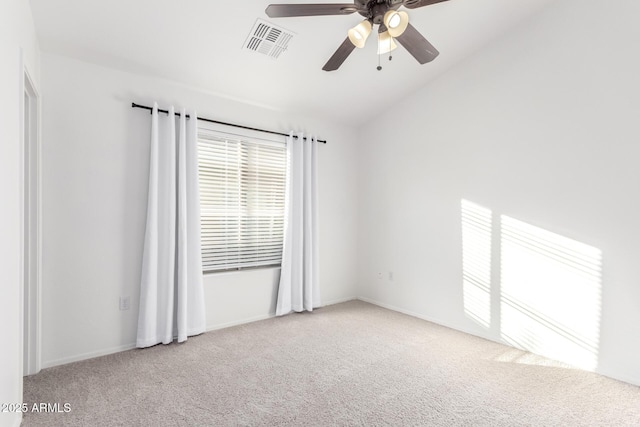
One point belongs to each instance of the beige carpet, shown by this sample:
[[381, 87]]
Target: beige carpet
[[347, 364]]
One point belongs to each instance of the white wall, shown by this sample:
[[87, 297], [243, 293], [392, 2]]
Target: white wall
[[17, 32], [95, 171], [542, 126]]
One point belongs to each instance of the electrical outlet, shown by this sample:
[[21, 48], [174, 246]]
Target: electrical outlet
[[125, 303], [379, 276]]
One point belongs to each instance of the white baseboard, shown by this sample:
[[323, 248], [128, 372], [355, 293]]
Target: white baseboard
[[104, 352], [240, 322], [269, 316], [338, 301], [623, 378], [89, 355], [419, 316]]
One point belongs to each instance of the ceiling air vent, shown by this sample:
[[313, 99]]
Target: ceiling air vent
[[267, 39]]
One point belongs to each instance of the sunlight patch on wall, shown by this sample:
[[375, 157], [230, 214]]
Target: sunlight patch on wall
[[550, 294], [476, 262]]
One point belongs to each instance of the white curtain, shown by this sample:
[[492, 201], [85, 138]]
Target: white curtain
[[171, 292], [299, 288]]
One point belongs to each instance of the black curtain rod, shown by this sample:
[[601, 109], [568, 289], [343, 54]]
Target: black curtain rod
[[144, 107]]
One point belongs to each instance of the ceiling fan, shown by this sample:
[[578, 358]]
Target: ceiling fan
[[392, 24]]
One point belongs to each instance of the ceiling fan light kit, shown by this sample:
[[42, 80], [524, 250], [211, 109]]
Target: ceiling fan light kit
[[384, 13], [385, 43], [358, 35], [396, 22]]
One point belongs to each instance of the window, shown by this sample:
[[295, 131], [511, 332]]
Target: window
[[242, 193]]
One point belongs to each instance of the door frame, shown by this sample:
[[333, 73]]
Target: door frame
[[31, 224]]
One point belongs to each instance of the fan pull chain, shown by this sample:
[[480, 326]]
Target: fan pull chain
[[379, 67]]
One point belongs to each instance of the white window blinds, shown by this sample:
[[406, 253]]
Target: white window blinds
[[242, 193]]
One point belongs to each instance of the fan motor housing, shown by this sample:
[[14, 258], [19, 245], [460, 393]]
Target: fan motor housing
[[375, 9]]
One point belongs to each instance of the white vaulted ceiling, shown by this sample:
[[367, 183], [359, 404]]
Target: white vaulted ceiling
[[199, 43]]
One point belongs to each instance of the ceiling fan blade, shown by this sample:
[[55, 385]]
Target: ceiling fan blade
[[414, 4], [417, 45], [289, 10], [339, 55]]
